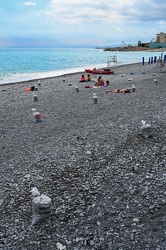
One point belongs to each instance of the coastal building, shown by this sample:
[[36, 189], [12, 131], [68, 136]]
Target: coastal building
[[143, 45], [161, 38], [160, 41]]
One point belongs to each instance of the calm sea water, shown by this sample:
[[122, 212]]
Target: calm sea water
[[26, 64]]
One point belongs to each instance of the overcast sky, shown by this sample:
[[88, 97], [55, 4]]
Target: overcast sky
[[59, 23]]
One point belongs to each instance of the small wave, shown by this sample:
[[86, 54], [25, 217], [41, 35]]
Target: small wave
[[21, 77]]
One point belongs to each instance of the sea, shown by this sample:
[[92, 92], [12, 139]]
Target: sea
[[17, 65]]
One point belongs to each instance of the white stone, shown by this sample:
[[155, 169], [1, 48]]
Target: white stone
[[27, 176], [136, 220]]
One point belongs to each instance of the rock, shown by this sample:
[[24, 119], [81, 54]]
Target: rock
[[60, 246], [106, 183], [27, 176], [136, 220], [98, 223]]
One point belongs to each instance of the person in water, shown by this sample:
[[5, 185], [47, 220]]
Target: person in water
[[123, 91], [100, 82], [82, 78]]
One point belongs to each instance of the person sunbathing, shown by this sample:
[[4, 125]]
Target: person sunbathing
[[123, 91]]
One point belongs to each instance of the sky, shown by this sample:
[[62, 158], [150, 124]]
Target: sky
[[79, 23]]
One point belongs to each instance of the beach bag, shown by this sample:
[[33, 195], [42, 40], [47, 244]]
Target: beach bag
[[32, 88]]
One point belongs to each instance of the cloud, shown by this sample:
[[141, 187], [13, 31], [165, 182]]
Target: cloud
[[150, 10], [30, 3], [114, 11], [84, 12], [83, 21], [163, 22]]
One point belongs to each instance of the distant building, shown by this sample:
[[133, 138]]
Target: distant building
[[143, 45], [161, 38], [160, 41]]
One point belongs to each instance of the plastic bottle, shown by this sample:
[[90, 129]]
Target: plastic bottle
[[133, 88], [35, 99], [77, 89], [95, 98]]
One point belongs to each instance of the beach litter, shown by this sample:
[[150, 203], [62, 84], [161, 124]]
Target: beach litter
[[155, 81], [37, 116], [133, 88], [77, 89], [95, 98], [130, 79], [39, 83], [35, 98], [146, 129], [27, 89], [41, 206], [32, 88]]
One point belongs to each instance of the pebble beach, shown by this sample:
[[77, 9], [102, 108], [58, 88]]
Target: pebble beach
[[107, 183]]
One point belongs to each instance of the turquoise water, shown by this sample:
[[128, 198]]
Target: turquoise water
[[27, 64]]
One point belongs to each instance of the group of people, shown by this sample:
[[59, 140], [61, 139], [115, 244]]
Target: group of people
[[100, 82], [83, 79]]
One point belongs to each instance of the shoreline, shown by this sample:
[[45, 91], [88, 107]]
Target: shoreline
[[31, 72], [68, 74]]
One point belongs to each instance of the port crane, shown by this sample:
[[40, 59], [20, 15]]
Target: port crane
[[124, 43]]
